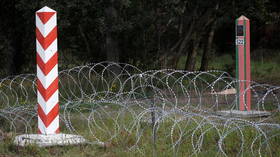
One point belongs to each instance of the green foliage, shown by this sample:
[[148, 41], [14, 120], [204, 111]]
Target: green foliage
[[149, 34]]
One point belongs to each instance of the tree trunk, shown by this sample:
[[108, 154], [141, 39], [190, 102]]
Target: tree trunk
[[191, 60], [111, 45], [186, 39], [207, 48], [112, 49], [181, 46], [85, 39], [16, 41], [175, 60]]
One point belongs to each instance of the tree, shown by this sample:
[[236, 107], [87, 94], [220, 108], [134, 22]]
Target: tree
[[149, 34]]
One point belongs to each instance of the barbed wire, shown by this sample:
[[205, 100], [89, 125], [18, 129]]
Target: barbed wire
[[175, 110]]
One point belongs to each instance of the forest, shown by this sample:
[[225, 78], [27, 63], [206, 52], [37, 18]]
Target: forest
[[178, 34]]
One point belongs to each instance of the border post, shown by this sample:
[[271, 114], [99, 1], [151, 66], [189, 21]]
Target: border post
[[243, 65], [47, 87], [47, 71]]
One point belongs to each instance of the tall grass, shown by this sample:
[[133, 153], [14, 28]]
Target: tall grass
[[265, 67]]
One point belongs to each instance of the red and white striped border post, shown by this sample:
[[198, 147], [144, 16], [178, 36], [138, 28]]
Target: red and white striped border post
[[243, 65], [47, 84], [47, 71]]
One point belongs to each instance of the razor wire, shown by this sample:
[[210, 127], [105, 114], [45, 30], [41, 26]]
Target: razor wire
[[175, 110]]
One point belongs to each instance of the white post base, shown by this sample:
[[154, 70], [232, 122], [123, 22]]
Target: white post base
[[48, 140], [243, 114]]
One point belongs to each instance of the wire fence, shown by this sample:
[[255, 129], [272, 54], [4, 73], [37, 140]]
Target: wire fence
[[175, 110]]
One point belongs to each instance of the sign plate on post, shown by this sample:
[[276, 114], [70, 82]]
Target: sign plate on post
[[239, 42], [239, 30]]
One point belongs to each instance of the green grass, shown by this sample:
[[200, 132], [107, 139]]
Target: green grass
[[125, 139], [263, 69]]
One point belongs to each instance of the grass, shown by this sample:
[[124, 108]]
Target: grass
[[264, 69], [206, 136]]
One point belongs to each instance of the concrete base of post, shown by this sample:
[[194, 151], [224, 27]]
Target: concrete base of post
[[48, 140], [243, 114]]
